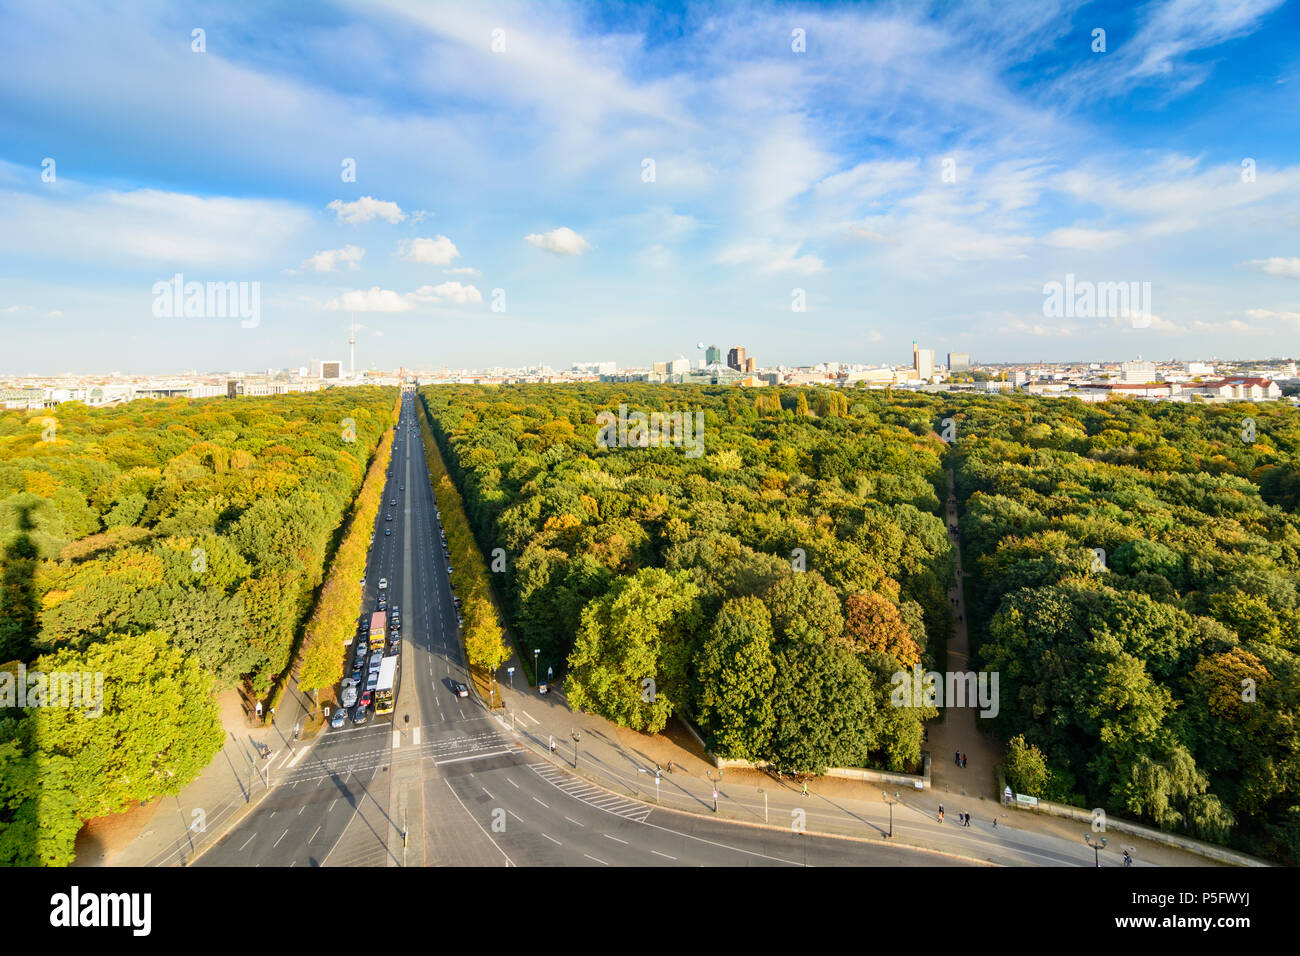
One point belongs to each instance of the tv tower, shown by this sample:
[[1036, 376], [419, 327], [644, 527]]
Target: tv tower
[[352, 348]]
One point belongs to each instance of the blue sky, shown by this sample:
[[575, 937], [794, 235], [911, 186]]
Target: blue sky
[[522, 170]]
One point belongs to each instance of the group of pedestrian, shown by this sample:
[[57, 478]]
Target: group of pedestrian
[[963, 819], [960, 758]]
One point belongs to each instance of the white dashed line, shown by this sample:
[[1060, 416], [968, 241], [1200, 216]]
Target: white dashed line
[[590, 857]]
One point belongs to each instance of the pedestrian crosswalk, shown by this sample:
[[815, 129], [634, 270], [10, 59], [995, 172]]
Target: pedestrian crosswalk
[[590, 794]]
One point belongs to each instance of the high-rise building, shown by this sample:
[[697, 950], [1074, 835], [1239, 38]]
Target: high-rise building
[[712, 355], [660, 368], [923, 363], [750, 365], [958, 361], [679, 366], [736, 358]]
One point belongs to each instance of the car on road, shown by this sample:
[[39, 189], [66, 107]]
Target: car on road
[[382, 605], [373, 680], [359, 715], [383, 584], [356, 674], [348, 692], [388, 517], [393, 501], [401, 487], [339, 718], [375, 658], [365, 700], [450, 568], [388, 531], [460, 689]]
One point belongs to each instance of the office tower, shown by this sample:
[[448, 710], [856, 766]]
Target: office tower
[[712, 355], [736, 358], [958, 361]]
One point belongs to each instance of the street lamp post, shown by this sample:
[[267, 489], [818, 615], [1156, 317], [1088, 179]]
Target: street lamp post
[[1096, 847], [716, 784], [764, 793], [891, 801], [576, 735], [511, 672], [536, 652]]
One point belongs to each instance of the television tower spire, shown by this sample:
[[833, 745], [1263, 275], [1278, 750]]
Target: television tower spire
[[352, 348]]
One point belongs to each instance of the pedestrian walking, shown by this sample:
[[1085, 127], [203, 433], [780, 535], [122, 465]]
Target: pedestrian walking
[[995, 823], [956, 756], [963, 761], [670, 766], [941, 813], [968, 819], [805, 788]]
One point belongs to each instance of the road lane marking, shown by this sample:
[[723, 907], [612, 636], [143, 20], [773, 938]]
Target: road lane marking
[[248, 841], [282, 836], [590, 857], [515, 815], [615, 839], [664, 855], [313, 836], [552, 839], [571, 820], [542, 803]]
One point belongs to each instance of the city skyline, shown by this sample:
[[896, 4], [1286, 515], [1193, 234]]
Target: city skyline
[[517, 185]]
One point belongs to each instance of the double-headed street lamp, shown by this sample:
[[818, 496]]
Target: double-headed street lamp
[[716, 783], [576, 735], [1096, 847], [536, 675]]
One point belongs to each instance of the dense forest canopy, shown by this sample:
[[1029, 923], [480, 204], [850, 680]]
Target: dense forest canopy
[[1134, 571], [1135, 568], [173, 547], [768, 586]]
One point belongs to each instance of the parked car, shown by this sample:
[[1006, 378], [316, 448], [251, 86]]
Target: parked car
[[339, 718]]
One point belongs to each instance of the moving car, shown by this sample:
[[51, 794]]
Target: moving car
[[366, 700], [388, 531], [372, 681], [339, 718], [358, 715], [401, 487], [383, 584], [388, 517], [460, 689]]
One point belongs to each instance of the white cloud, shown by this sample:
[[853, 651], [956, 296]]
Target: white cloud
[[462, 271], [562, 241], [162, 230], [769, 257], [327, 259], [438, 251], [1277, 266], [385, 300], [366, 209], [1073, 237], [373, 300], [449, 292]]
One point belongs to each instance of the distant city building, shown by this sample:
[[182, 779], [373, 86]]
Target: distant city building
[[923, 363], [659, 368], [958, 361], [750, 365], [713, 355], [331, 370], [679, 366], [736, 359], [1137, 373]]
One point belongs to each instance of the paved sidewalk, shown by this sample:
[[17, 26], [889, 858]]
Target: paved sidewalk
[[960, 730], [171, 831], [624, 762]]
